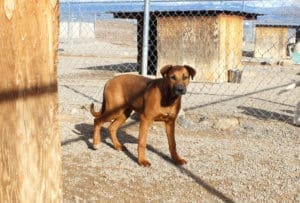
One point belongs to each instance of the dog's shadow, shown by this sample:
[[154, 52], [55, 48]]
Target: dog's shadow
[[86, 131]]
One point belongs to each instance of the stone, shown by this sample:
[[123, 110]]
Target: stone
[[226, 123], [185, 123], [297, 198], [74, 111], [181, 113]]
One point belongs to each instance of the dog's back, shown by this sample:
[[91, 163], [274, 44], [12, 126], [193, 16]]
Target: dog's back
[[125, 90]]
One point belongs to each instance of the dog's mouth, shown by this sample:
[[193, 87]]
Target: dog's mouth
[[179, 90]]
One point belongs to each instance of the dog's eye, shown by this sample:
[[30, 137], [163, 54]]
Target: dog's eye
[[184, 77], [173, 77]]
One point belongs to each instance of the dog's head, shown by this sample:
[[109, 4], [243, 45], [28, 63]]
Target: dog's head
[[178, 77]]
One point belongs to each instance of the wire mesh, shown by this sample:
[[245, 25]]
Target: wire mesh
[[245, 53]]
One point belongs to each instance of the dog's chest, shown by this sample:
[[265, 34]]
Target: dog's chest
[[166, 114]]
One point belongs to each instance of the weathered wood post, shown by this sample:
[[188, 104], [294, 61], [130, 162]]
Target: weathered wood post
[[30, 157]]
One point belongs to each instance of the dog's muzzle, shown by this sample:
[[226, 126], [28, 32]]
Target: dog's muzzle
[[179, 89]]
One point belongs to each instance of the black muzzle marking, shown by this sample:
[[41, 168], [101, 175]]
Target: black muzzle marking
[[179, 89]]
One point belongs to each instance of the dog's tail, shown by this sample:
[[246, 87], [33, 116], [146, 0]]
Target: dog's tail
[[95, 113]]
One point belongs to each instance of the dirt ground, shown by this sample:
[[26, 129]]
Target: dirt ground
[[239, 139]]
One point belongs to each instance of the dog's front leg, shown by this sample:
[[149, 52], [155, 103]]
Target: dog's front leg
[[170, 130], [144, 125]]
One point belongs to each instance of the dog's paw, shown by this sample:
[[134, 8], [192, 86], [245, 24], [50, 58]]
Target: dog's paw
[[96, 146], [120, 148], [144, 163], [180, 161]]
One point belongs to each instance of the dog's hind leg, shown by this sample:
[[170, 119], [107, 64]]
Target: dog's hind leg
[[114, 127], [98, 122], [96, 137]]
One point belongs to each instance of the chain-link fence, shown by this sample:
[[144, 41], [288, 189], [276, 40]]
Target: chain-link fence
[[245, 53]]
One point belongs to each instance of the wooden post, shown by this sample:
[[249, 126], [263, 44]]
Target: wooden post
[[30, 156]]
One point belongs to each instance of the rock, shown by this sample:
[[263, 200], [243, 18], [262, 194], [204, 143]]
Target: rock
[[77, 198], [202, 118], [226, 123], [90, 140], [297, 198], [74, 111], [205, 125], [153, 127], [266, 63], [185, 123], [135, 116], [181, 113], [84, 107]]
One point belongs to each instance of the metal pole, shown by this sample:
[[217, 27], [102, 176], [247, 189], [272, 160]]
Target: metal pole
[[69, 21], [80, 21], [145, 37]]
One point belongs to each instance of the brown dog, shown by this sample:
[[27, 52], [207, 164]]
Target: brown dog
[[153, 99]]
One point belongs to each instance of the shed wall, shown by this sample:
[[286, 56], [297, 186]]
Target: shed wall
[[210, 44], [271, 42]]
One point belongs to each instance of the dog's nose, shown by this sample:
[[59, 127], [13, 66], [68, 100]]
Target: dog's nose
[[180, 89]]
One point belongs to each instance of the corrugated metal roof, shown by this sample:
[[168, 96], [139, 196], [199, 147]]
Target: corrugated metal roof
[[138, 6], [276, 20], [250, 6]]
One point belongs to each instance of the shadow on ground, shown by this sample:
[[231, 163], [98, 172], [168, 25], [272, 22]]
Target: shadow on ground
[[121, 68], [266, 115]]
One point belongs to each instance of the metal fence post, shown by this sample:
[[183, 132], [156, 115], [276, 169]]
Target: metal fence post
[[80, 21], [145, 38], [69, 20]]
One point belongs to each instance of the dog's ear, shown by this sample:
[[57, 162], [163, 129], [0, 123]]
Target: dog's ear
[[164, 70], [191, 71]]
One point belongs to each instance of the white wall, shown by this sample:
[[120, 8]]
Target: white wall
[[77, 30]]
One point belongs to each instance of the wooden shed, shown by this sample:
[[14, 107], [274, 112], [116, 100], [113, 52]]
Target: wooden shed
[[209, 41], [271, 41]]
